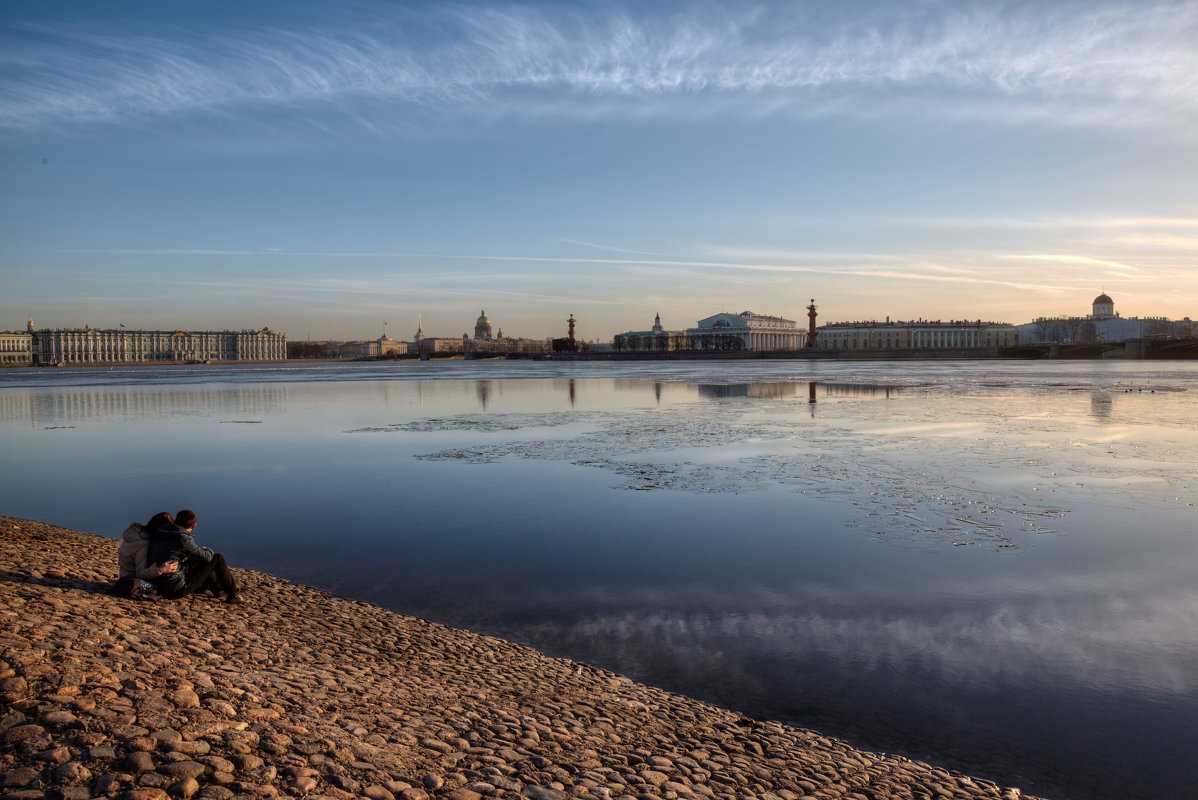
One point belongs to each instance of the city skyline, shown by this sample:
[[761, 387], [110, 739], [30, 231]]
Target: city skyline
[[320, 170]]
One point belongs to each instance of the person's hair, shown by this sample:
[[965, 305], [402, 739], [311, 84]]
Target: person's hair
[[158, 520], [185, 518]]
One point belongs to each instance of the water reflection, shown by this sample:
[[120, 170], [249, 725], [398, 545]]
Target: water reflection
[[756, 391], [871, 390], [44, 409], [776, 390], [1101, 405]]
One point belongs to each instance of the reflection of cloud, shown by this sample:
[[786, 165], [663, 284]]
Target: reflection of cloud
[[1112, 644], [1036, 64]]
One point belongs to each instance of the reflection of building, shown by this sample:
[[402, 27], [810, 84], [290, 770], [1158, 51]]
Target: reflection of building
[[916, 335], [16, 349], [103, 403], [91, 346], [1102, 325], [756, 391]]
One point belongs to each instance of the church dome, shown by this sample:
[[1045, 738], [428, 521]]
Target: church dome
[[482, 327], [1102, 298]]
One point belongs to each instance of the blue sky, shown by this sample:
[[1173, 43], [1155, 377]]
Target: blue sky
[[324, 168]]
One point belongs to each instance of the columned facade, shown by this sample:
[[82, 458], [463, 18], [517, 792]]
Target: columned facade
[[91, 346], [16, 349], [746, 331], [916, 335]]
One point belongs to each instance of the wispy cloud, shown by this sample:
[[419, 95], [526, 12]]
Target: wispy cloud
[[861, 265], [1065, 64], [934, 275], [1065, 258], [1162, 240], [608, 248]]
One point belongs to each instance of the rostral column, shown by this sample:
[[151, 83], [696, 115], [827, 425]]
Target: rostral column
[[811, 331]]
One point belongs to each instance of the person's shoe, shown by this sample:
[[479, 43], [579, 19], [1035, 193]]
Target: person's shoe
[[235, 599]]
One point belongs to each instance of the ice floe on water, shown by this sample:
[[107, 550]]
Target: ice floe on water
[[485, 423], [712, 450], [918, 466]]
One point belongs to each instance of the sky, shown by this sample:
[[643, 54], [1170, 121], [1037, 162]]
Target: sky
[[341, 170]]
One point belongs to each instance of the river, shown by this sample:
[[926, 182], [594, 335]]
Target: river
[[987, 565]]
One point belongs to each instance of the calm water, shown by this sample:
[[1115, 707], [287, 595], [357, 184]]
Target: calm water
[[987, 565]]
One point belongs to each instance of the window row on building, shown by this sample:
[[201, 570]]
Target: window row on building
[[92, 346], [16, 349], [917, 335]]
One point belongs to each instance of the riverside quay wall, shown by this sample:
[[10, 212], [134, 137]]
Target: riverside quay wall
[[300, 694]]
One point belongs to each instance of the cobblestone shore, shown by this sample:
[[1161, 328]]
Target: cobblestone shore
[[300, 694]]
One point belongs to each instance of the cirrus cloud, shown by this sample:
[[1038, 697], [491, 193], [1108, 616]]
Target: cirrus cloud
[[1120, 64]]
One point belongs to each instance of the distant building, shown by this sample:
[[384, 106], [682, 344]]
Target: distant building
[[484, 342], [1103, 324], [360, 349], [916, 335], [16, 349], [746, 331], [314, 348], [391, 347], [730, 332], [93, 346], [656, 339], [440, 344], [482, 328]]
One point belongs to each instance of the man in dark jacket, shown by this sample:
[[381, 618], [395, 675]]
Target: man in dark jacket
[[201, 568]]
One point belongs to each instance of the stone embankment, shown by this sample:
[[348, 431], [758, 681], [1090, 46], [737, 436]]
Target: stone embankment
[[300, 694]]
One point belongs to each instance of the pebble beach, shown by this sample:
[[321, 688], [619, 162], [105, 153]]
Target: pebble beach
[[300, 694]]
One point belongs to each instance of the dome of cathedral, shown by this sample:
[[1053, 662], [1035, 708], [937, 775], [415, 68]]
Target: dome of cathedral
[[1102, 298], [482, 327]]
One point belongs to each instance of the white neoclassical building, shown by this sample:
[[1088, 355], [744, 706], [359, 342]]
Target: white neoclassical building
[[16, 349], [746, 331]]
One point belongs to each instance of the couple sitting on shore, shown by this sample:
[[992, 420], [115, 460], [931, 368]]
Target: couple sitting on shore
[[162, 559]]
